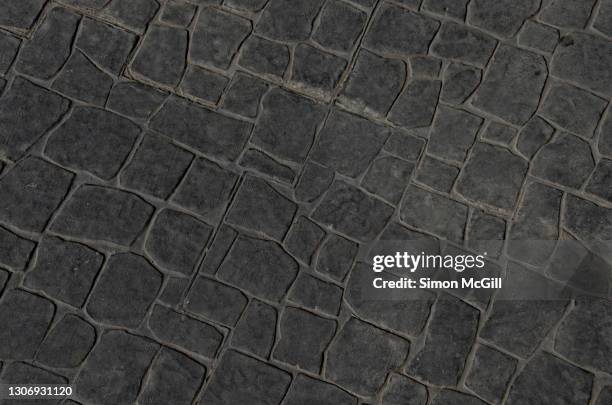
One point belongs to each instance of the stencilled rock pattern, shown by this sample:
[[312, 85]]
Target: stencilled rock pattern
[[189, 189]]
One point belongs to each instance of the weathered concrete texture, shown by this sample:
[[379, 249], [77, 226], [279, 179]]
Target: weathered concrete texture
[[190, 191]]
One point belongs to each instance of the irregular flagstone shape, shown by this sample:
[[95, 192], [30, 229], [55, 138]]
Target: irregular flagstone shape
[[315, 70], [25, 99], [353, 212], [223, 240], [502, 17], [217, 37], [20, 14], [567, 13], [288, 20], [261, 162], [313, 293], [585, 335], [450, 336], [339, 26], [456, 41], [306, 390], [104, 214], [453, 133], [127, 287], [538, 36], [264, 56], [400, 31], [287, 125], [590, 223], [239, 379], [134, 14], [491, 373], [388, 177], [31, 192], [336, 257], [162, 55], [599, 181], [548, 379], [584, 59], [512, 85], [567, 160], [93, 140], [113, 372], [204, 84], [449, 8], [19, 373], [244, 95], [437, 174], [256, 329], [25, 318], [68, 343], [9, 46], [82, 80], [533, 136], [348, 143], [207, 131], [49, 48], [493, 176], [259, 266], [603, 23], [304, 238], [415, 107], [15, 251], [379, 353], [486, 233], [134, 99], [401, 390], [451, 397], [216, 301], [313, 182]]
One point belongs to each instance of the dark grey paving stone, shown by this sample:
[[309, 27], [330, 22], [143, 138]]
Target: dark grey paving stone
[[449, 8], [493, 176], [336, 257], [20, 14], [263, 56], [453, 326], [548, 379], [587, 220], [401, 390], [460, 81], [250, 5], [306, 390], [172, 378], [108, 46], [436, 174], [239, 379], [400, 31], [566, 13], [512, 86], [103, 214], [314, 334], [573, 109], [93, 140], [115, 369], [451, 397], [87, 4], [304, 239], [600, 181], [537, 219], [135, 14], [15, 251], [605, 137], [313, 182], [502, 17], [582, 334], [453, 133], [499, 133], [33, 189], [173, 291], [287, 125], [567, 160], [244, 95], [388, 177], [486, 233], [374, 83], [603, 21], [205, 189], [217, 37], [162, 55], [156, 168], [135, 100], [125, 290], [533, 136], [176, 241], [416, 106], [204, 84], [538, 36], [19, 373], [199, 128], [68, 343], [418, 210], [288, 20], [25, 99], [256, 329], [605, 396], [264, 164], [352, 212], [490, 373], [339, 26], [456, 41], [215, 301], [259, 207], [425, 66], [26, 318], [82, 80], [348, 143], [178, 13], [365, 3], [405, 145], [185, 332], [316, 70], [584, 59], [49, 48], [5, 275], [316, 294], [260, 267], [379, 353], [64, 270], [215, 254], [9, 46]]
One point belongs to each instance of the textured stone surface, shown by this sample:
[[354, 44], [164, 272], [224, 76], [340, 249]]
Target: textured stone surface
[[21, 14], [316, 70], [453, 133], [316, 294], [436, 174], [538, 36], [256, 330], [244, 94], [387, 178], [108, 46], [16, 251], [134, 99], [336, 257], [68, 343], [456, 41], [204, 84], [135, 14], [502, 17], [215, 301], [339, 26], [567, 13], [401, 390], [533, 136], [288, 20], [417, 104], [304, 239], [306, 390], [491, 373], [263, 56], [82, 80]]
